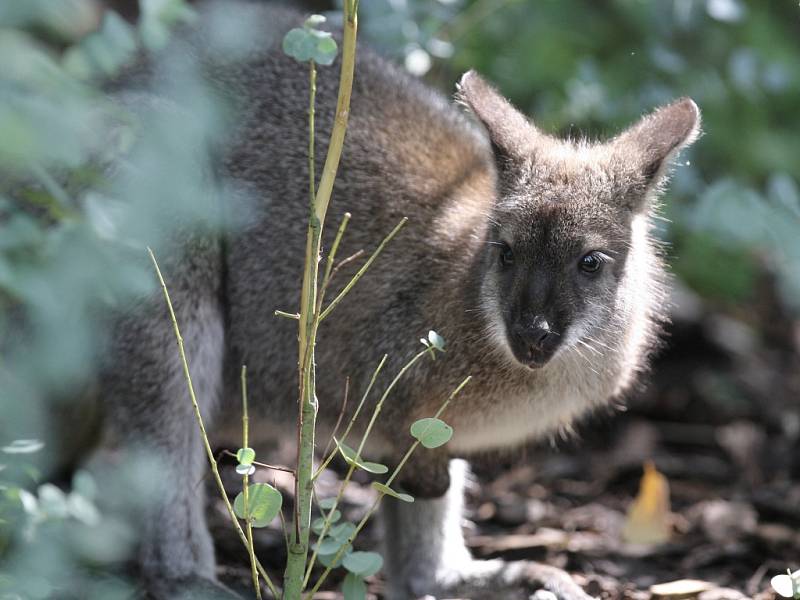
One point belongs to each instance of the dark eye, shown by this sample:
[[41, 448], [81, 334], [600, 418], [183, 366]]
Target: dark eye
[[591, 263], [506, 255]]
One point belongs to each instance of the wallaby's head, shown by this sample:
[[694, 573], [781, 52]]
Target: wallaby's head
[[567, 253]]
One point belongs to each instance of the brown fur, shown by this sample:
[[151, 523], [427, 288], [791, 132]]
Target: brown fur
[[408, 152]]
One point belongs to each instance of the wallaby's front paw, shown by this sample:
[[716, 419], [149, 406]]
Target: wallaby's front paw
[[492, 579], [189, 588]]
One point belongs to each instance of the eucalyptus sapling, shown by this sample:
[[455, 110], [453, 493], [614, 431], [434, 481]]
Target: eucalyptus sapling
[[432, 433]]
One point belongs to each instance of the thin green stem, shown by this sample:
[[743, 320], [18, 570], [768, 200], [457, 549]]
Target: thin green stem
[[342, 412], [360, 273], [378, 500], [333, 453], [199, 417], [385, 395], [413, 447], [245, 487], [287, 315], [260, 464], [331, 257], [345, 261], [309, 315], [362, 443], [284, 529], [342, 111], [307, 410], [312, 167]]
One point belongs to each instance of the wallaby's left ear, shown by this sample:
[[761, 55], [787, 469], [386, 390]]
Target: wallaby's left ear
[[648, 146]]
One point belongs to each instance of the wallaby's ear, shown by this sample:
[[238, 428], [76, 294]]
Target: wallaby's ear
[[511, 133], [649, 145]]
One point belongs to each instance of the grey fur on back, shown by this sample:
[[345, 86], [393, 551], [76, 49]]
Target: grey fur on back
[[408, 152]]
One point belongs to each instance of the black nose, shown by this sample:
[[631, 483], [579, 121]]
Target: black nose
[[539, 332], [533, 341], [534, 334]]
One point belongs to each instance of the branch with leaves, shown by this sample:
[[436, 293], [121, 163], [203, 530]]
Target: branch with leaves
[[258, 504]]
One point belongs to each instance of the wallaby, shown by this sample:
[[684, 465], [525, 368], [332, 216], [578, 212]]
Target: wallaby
[[533, 257]]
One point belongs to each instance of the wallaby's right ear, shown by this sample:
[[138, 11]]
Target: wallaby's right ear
[[511, 133]]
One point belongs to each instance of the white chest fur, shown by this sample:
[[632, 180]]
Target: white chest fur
[[567, 390]]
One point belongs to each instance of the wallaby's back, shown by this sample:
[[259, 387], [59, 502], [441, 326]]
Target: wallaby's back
[[408, 152]]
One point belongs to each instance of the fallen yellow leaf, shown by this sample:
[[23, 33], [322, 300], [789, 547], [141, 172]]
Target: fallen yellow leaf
[[648, 517]]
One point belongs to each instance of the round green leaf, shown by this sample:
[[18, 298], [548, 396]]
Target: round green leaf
[[155, 33], [314, 21], [264, 504], [318, 524], [354, 588], [104, 51], [342, 531], [328, 546], [246, 456], [787, 585], [245, 469], [363, 563], [350, 456], [83, 483], [83, 510], [30, 503], [335, 516], [306, 44], [299, 44], [326, 50], [431, 432], [327, 559], [327, 503], [436, 340], [372, 467], [385, 489], [52, 501]]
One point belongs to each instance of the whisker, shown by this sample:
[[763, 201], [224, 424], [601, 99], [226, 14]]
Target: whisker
[[591, 348], [586, 359], [599, 343]]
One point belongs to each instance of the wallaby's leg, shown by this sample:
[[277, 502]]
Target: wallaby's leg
[[152, 422], [426, 556], [424, 541]]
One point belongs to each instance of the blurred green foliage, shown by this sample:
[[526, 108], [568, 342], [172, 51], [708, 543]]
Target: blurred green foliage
[[89, 177]]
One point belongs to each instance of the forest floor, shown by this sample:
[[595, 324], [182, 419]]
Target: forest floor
[[719, 418]]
